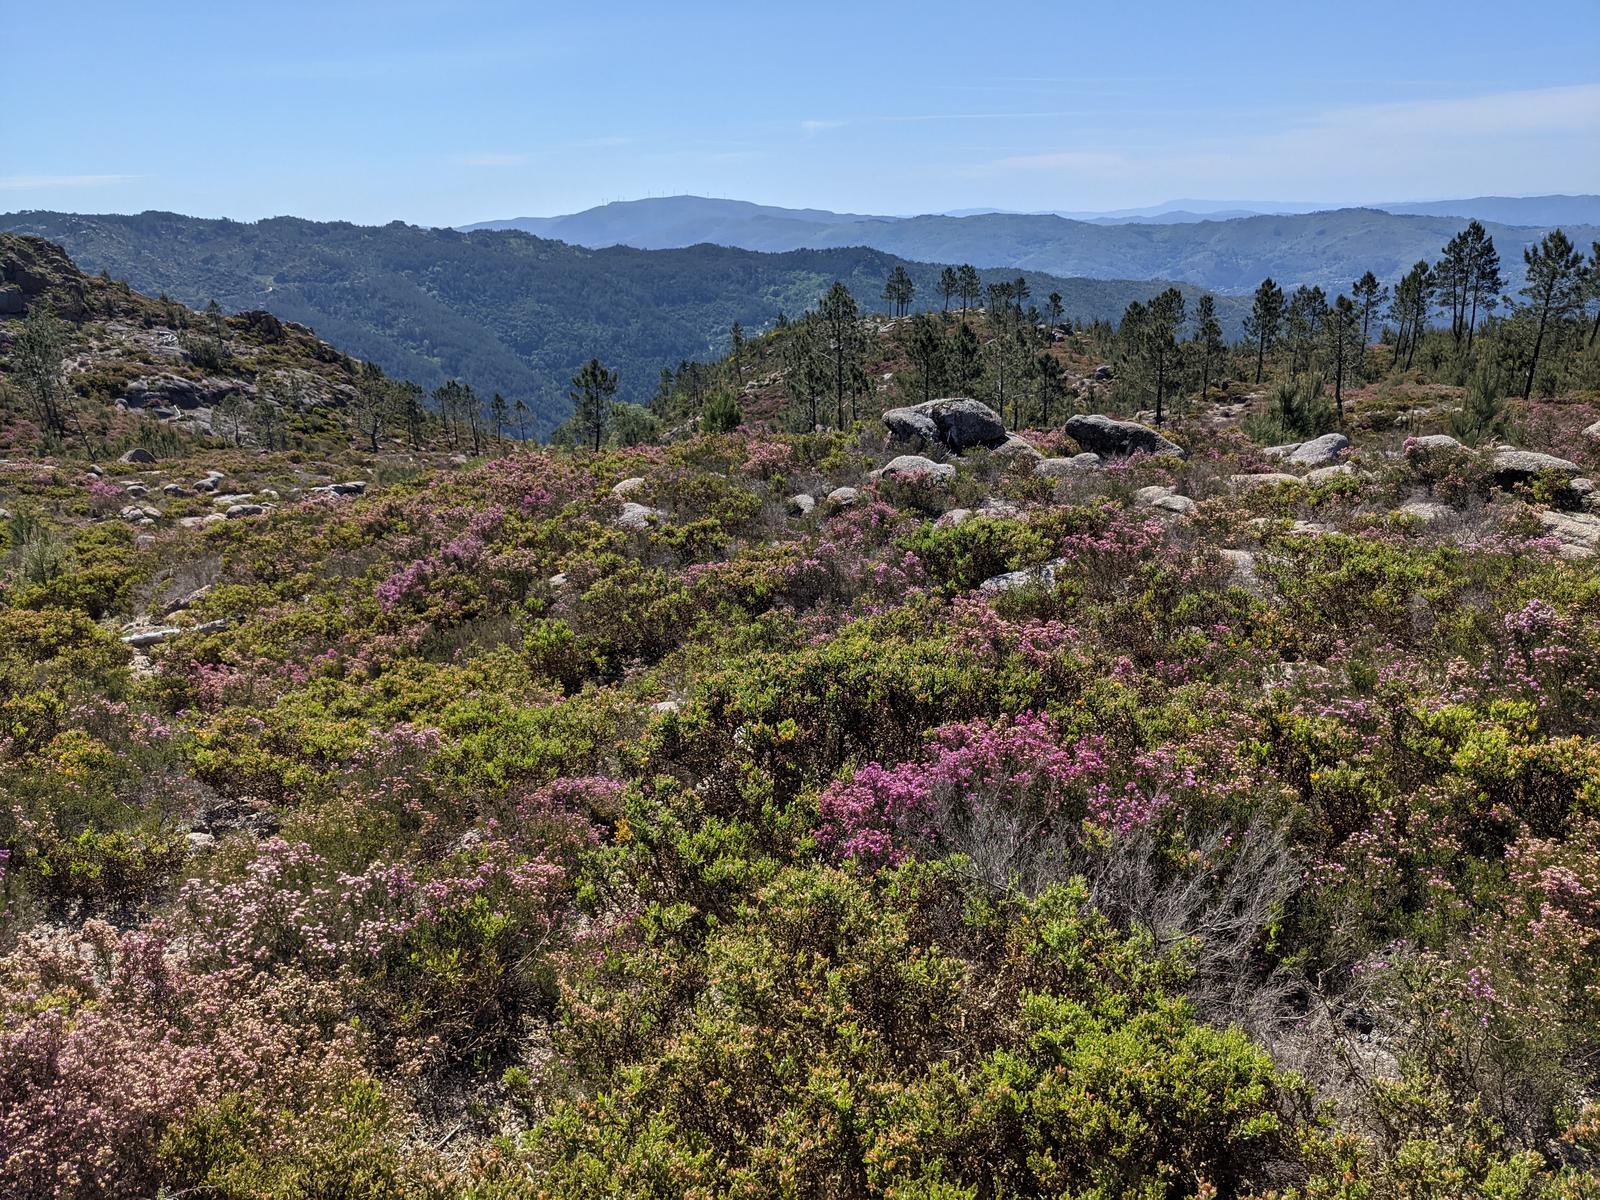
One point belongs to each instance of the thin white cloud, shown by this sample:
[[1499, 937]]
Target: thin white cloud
[[1544, 139], [18, 183], [812, 128]]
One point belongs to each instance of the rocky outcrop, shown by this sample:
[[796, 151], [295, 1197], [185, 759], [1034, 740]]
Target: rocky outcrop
[[956, 423], [1263, 479], [1510, 467], [138, 455], [1578, 533], [1106, 436]]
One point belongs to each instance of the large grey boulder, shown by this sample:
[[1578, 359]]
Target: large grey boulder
[[236, 511], [1320, 451], [1106, 436], [801, 503], [908, 466], [137, 455], [956, 423], [844, 497], [1518, 466], [1592, 432]]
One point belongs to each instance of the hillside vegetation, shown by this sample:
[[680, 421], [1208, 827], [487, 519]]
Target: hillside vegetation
[[501, 312], [914, 804]]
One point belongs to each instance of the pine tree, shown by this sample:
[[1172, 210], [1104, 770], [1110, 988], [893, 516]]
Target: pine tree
[[1554, 269], [1369, 296], [1301, 321], [1265, 321], [949, 285], [500, 411], [841, 343], [521, 409], [925, 347], [1159, 341], [971, 287], [964, 361], [1341, 327], [593, 389], [1207, 339], [736, 351], [1484, 280]]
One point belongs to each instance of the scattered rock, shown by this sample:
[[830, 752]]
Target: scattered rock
[[951, 519], [666, 707], [183, 602], [557, 581], [844, 497], [1019, 448], [1181, 505], [909, 466], [638, 517], [627, 487], [1426, 511], [1149, 495], [1243, 564], [200, 522], [1320, 451], [1264, 479], [957, 423], [1437, 443], [1592, 432], [175, 489], [199, 843], [1282, 451], [235, 511], [1106, 436], [136, 490], [1061, 468], [137, 455], [1324, 474], [801, 503], [150, 637], [1044, 576]]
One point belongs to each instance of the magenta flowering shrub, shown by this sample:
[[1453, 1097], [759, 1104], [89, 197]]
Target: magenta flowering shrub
[[1008, 794]]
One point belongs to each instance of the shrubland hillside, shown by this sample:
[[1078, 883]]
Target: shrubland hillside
[[914, 804]]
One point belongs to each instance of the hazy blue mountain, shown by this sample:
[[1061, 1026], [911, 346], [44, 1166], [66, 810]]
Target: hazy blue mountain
[[1510, 210], [503, 310], [1207, 243], [670, 222]]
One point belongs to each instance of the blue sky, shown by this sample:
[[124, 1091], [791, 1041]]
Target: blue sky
[[440, 113]]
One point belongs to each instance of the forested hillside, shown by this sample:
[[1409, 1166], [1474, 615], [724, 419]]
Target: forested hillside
[[502, 312], [1320, 249]]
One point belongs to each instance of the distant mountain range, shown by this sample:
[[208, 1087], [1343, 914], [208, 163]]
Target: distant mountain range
[[501, 310], [1223, 246]]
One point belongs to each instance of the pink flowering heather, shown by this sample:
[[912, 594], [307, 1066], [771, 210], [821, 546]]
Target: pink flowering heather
[[1022, 767]]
